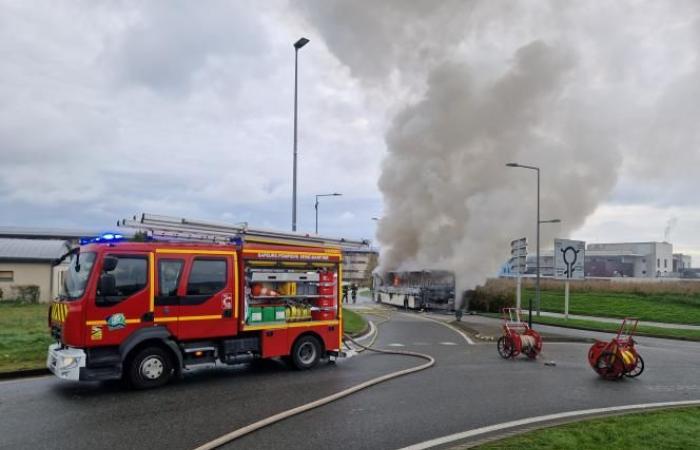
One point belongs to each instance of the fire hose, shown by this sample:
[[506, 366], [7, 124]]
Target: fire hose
[[325, 400]]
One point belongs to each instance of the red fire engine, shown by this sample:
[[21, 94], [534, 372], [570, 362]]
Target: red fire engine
[[145, 311]]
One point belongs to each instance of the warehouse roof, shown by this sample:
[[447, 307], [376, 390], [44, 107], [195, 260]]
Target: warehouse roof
[[32, 249]]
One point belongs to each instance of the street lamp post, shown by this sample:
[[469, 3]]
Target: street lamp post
[[335, 194], [539, 222], [297, 45]]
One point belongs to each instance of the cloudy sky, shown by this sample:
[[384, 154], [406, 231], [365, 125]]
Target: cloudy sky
[[108, 109]]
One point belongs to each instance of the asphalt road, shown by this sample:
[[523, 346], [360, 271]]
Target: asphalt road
[[469, 387]]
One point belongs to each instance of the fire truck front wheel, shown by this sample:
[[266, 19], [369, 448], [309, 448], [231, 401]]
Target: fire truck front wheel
[[149, 368], [306, 352]]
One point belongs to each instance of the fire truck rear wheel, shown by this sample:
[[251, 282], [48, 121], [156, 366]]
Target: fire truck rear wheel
[[306, 353], [149, 368]]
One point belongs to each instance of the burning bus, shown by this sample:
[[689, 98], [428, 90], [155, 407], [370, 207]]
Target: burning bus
[[425, 289]]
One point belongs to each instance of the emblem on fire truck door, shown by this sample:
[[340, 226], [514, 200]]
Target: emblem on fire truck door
[[96, 333], [116, 321]]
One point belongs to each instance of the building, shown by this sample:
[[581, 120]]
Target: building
[[629, 259], [681, 262], [358, 265], [624, 259], [27, 270]]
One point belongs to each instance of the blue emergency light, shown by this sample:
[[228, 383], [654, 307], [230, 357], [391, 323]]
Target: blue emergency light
[[104, 237]]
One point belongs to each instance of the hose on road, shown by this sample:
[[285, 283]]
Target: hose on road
[[325, 400]]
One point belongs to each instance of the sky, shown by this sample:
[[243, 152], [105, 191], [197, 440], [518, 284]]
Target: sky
[[109, 109]]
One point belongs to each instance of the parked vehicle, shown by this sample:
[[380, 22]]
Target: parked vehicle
[[146, 311]]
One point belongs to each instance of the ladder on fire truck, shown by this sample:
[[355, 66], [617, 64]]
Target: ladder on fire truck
[[182, 229]]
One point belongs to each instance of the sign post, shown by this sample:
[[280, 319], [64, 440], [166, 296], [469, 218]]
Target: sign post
[[518, 264], [568, 264]]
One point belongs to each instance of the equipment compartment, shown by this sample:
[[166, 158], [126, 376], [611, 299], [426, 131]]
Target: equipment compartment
[[278, 296]]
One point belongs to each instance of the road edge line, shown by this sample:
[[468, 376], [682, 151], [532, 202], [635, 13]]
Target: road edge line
[[451, 327], [543, 419]]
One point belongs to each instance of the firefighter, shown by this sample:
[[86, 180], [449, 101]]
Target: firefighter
[[353, 289], [345, 293]]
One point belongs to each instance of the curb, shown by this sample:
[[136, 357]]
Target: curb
[[637, 333], [23, 373]]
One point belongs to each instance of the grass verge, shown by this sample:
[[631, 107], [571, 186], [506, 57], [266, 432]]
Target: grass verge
[[24, 336], [669, 308], [675, 428], [642, 330], [353, 323]]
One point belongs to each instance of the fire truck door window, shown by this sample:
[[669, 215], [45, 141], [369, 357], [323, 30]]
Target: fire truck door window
[[130, 277], [169, 273], [207, 277]]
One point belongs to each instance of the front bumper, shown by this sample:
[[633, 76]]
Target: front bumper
[[65, 362]]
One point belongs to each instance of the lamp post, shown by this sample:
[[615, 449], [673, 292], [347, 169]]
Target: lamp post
[[539, 222], [297, 45], [335, 194]]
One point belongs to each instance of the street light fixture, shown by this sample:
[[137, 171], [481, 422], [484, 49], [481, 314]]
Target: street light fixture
[[297, 45], [537, 279], [335, 194]]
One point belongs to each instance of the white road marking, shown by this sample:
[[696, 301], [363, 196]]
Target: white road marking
[[395, 344], [448, 343], [540, 419], [456, 330]]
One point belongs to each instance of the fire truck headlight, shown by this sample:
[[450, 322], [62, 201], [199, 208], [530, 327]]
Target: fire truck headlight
[[68, 362]]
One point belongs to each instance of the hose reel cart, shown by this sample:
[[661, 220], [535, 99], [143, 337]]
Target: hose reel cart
[[617, 358], [517, 337]]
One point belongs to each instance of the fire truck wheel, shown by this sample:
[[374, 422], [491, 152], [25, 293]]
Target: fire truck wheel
[[306, 352], [150, 368]]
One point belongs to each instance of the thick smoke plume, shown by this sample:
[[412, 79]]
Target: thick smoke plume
[[476, 85]]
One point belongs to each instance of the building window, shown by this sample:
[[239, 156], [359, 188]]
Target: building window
[[658, 263], [7, 275], [665, 263]]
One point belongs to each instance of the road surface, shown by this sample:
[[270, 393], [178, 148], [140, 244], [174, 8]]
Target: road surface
[[469, 387]]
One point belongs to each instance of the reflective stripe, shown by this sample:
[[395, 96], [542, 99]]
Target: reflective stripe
[[291, 325]]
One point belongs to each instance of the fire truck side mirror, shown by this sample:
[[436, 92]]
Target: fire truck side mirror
[[107, 286]]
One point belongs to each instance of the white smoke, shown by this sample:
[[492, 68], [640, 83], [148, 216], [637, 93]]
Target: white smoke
[[559, 85]]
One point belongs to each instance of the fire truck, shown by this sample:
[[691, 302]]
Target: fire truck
[[195, 293]]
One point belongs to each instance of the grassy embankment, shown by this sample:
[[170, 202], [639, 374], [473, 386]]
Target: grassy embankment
[[353, 323], [676, 428], [670, 302], [24, 336]]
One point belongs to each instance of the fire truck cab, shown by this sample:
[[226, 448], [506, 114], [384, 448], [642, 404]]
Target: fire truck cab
[[146, 311]]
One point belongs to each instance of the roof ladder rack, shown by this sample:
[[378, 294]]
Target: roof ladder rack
[[197, 230]]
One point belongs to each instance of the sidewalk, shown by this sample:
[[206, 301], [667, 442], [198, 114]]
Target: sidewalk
[[679, 326]]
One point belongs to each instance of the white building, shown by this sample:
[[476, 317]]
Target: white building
[[630, 259]]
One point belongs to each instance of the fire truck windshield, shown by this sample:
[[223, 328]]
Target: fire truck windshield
[[76, 277]]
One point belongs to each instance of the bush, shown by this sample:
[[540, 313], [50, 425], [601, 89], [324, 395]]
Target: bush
[[26, 294], [0, 293], [491, 297]]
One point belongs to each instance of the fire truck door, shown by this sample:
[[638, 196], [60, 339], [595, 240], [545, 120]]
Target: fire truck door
[[169, 271], [207, 308], [122, 299]]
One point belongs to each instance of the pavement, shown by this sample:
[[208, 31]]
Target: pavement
[[680, 326], [470, 386]]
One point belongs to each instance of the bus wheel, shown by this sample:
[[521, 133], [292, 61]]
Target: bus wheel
[[150, 368], [306, 352]]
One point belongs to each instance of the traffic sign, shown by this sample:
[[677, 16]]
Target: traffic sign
[[569, 258], [518, 260]]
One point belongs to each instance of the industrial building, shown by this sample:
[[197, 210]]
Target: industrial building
[[623, 259]]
